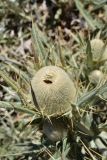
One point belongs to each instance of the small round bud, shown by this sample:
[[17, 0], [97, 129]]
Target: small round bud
[[96, 76], [97, 48]]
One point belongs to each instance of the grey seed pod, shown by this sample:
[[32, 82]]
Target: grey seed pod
[[97, 48], [53, 91], [96, 76], [55, 130]]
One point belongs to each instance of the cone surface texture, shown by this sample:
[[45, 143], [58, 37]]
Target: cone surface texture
[[54, 91]]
